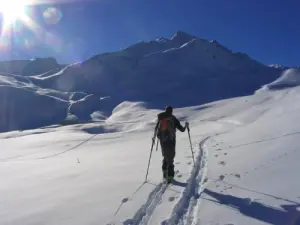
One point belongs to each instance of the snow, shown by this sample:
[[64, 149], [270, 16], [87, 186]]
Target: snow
[[289, 78], [244, 138], [24, 109], [246, 167], [26, 105], [278, 66]]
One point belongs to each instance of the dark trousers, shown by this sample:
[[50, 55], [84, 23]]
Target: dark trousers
[[168, 152]]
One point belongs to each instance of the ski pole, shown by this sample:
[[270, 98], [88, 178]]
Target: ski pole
[[188, 127], [153, 142], [157, 144]]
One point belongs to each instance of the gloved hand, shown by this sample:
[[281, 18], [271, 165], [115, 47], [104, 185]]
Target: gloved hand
[[187, 124]]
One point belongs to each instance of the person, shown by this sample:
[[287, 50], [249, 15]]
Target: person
[[166, 127]]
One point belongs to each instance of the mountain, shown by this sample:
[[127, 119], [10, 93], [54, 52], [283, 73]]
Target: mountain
[[29, 67], [40, 65], [183, 70]]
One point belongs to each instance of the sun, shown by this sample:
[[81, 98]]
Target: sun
[[12, 10], [18, 16]]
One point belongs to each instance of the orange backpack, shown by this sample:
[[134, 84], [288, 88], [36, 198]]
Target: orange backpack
[[166, 129]]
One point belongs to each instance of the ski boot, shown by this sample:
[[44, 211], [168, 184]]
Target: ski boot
[[170, 179]]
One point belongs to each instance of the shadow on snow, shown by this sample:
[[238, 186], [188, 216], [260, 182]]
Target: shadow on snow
[[268, 214]]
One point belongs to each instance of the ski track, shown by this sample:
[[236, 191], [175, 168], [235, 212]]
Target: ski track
[[185, 207], [144, 213], [193, 210], [183, 211]]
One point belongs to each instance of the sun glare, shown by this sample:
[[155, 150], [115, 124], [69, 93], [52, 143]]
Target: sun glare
[[12, 10], [16, 16]]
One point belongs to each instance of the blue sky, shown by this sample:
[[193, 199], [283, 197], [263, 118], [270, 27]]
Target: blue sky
[[267, 30]]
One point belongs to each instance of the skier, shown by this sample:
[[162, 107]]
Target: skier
[[166, 132]]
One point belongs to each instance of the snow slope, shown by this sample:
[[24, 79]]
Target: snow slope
[[289, 78], [253, 170], [246, 167], [25, 105]]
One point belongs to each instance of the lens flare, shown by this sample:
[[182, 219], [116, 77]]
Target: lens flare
[[17, 17], [52, 15]]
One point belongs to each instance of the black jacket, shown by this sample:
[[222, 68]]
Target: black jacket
[[176, 121]]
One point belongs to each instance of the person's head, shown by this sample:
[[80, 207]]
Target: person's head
[[169, 110]]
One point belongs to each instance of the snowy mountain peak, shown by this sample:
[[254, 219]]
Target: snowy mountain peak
[[162, 39], [183, 37], [279, 66]]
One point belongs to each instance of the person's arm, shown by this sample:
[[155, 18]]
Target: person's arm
[[156, 130], [156, 126], [178, 125]]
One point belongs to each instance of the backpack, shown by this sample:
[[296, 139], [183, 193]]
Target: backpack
[[166, 129]]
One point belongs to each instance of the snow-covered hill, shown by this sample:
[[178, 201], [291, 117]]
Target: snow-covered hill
[[246, 167], [290, 78], [26, 106], [182, 71]]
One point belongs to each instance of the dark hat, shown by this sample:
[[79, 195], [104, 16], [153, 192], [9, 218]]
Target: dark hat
[[169, 109]]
